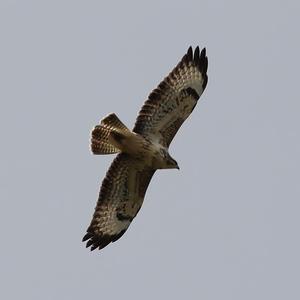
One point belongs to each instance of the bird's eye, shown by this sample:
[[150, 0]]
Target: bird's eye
[[163, 153]]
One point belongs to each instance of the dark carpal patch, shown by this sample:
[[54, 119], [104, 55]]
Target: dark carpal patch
[[123, 217], [192, 92]]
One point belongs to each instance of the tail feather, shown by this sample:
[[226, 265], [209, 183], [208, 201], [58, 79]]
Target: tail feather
[[98, 147], [113, 122], [101, 143], [101, 133]]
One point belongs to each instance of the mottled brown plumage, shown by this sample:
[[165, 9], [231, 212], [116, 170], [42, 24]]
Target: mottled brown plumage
[[143, 150]]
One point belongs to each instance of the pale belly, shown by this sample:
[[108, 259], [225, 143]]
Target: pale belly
[[145, 150]]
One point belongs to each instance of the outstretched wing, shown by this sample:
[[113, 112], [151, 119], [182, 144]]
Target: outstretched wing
[[174, 99], [120, 198]]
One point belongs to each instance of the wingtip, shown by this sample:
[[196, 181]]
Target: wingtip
[[190, 53], [203, 52], [196, 53], [94, 247], [87, 236], [89, 243], [101, 240]]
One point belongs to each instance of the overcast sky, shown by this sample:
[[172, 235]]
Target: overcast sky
[[226, 226]]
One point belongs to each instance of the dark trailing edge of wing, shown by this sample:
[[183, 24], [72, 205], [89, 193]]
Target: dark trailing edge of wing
[[192, 92], [99, 239]]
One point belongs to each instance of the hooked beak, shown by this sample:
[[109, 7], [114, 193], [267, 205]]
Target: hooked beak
[[177, 167]]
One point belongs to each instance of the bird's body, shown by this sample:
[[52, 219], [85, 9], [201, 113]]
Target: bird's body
[[144, 149]]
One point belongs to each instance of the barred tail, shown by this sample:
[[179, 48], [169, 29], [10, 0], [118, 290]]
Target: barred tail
[[100, 141]]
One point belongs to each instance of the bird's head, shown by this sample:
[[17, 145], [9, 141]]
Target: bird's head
[[168, 162], [171, 163]]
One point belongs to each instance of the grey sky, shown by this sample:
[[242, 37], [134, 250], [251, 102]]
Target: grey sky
[[226, 226]]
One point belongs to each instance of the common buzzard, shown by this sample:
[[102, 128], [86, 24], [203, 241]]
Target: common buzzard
[[144, 149]]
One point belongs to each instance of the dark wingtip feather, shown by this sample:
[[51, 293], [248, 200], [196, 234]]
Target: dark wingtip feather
[[89, 243], [201, 62], [196, 53], [87, 236], [190, 53], [95, 245], [100, 241], [199, 58], [205, 82], [205, 65]]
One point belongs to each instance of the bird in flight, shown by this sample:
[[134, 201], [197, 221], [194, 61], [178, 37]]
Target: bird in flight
[[144, 149]]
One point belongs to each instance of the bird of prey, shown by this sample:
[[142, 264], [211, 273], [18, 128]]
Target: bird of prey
[[144, 149]]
